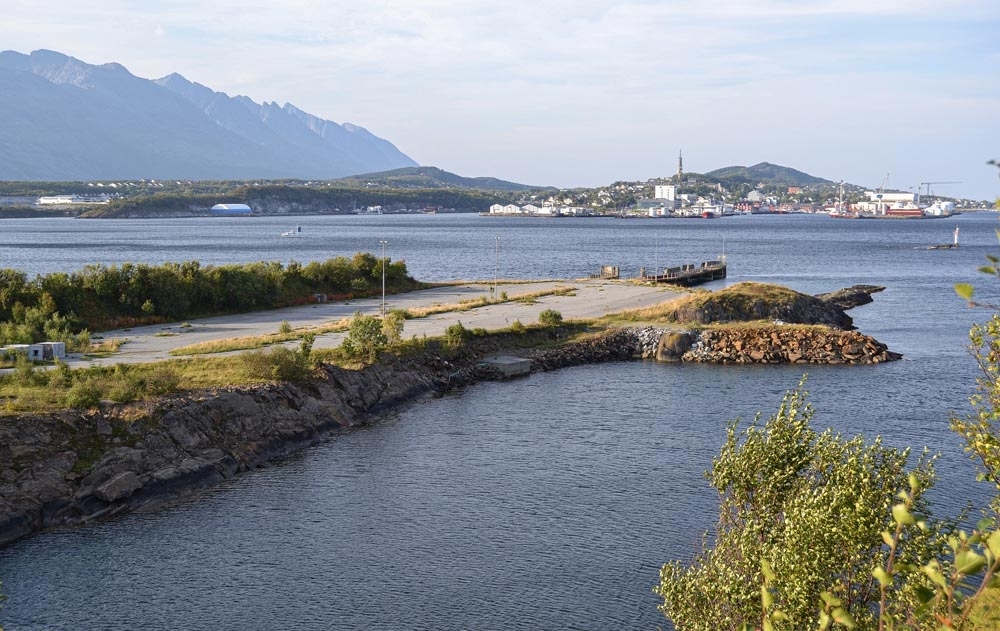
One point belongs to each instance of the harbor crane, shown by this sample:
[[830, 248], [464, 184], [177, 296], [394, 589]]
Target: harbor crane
[[928, 185]]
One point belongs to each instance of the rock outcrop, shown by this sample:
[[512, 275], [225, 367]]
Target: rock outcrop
[[747, 302], [850, 297], [70, 467], [74, 466], [787, 345]]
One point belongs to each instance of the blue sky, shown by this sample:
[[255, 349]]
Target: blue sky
[[586, 92]]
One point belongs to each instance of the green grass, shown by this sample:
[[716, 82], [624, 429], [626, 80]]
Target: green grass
[[252, 342], [735, 298]]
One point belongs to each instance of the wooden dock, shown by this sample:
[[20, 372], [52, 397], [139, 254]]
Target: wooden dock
[[691, 274]]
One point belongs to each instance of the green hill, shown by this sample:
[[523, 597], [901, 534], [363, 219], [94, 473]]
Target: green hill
[[433, 177], [767, 173]]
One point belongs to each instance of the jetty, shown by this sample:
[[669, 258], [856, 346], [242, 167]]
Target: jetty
[[690, 274]]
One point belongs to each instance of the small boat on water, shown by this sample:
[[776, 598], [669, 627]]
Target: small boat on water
[[294, 232]]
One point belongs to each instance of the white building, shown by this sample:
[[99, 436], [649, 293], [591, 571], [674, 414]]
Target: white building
[[55, 200], [665, 191], [878, 202]]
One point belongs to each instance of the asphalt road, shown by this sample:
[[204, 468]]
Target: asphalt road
[[590, 299]]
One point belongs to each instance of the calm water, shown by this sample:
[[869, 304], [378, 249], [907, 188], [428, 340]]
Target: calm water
[[543, 503]]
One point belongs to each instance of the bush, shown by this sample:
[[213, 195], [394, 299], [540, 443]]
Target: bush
[[162, 380], [24, 373], [803, 514], [365, 337], [126, 388], [285, 327], [281, 363], [286, 364], [517, 327], [456, 334], [550, 317], [83, 395], [392, 327], [61, 377]]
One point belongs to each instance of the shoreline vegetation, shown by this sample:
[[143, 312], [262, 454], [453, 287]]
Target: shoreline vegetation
[[80, 444]]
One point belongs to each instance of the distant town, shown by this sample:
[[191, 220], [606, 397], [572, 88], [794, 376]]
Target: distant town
[[761, 189]]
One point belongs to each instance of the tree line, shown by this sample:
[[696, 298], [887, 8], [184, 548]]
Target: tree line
[[60, 306]]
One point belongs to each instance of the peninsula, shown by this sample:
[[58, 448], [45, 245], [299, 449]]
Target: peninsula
[[73, 465]]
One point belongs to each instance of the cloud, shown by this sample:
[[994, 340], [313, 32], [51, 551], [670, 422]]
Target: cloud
[[608, 85]]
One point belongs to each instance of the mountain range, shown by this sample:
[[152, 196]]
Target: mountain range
[[63, 119]]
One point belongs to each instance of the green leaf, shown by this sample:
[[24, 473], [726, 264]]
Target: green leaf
[[844, 619], [766, 570], [969, 562], [935, 575], [901, 515], [993, 543], [830, 599], [882, 577]]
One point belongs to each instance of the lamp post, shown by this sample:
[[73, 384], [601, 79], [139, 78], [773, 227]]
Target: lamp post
[[384, 243], [496, 270], [656, 262]]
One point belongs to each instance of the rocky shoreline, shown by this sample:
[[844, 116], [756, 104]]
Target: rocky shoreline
[[72, 467]]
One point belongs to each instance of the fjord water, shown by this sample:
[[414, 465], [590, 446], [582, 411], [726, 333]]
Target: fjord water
[[542, 503]]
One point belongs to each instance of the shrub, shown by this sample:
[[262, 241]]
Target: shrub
[[285, 364], [84, 394], [126, 388], [162, 380], [392, 327], [24, 373], [365, 337], [456, 334], [285, 327], [517, 327], [550, 317], [809, 516], [60, 377]]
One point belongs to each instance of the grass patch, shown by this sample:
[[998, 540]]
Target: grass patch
[[740, 299], [253, 342], [105, 348], [483, 301]]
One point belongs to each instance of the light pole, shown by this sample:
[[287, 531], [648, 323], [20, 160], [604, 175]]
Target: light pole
[[496, 269], [384, 243], [656, 262]]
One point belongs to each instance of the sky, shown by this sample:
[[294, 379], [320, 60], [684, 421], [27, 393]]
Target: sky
[[574, 93]]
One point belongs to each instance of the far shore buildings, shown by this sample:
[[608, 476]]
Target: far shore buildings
[[60, 200], [545, 210], [901, 205], [231, 210]]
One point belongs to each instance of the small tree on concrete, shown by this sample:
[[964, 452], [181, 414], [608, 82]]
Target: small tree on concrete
[[365, 337], [392, 326]]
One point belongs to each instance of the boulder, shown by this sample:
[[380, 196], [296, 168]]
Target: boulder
[[672, 346]]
